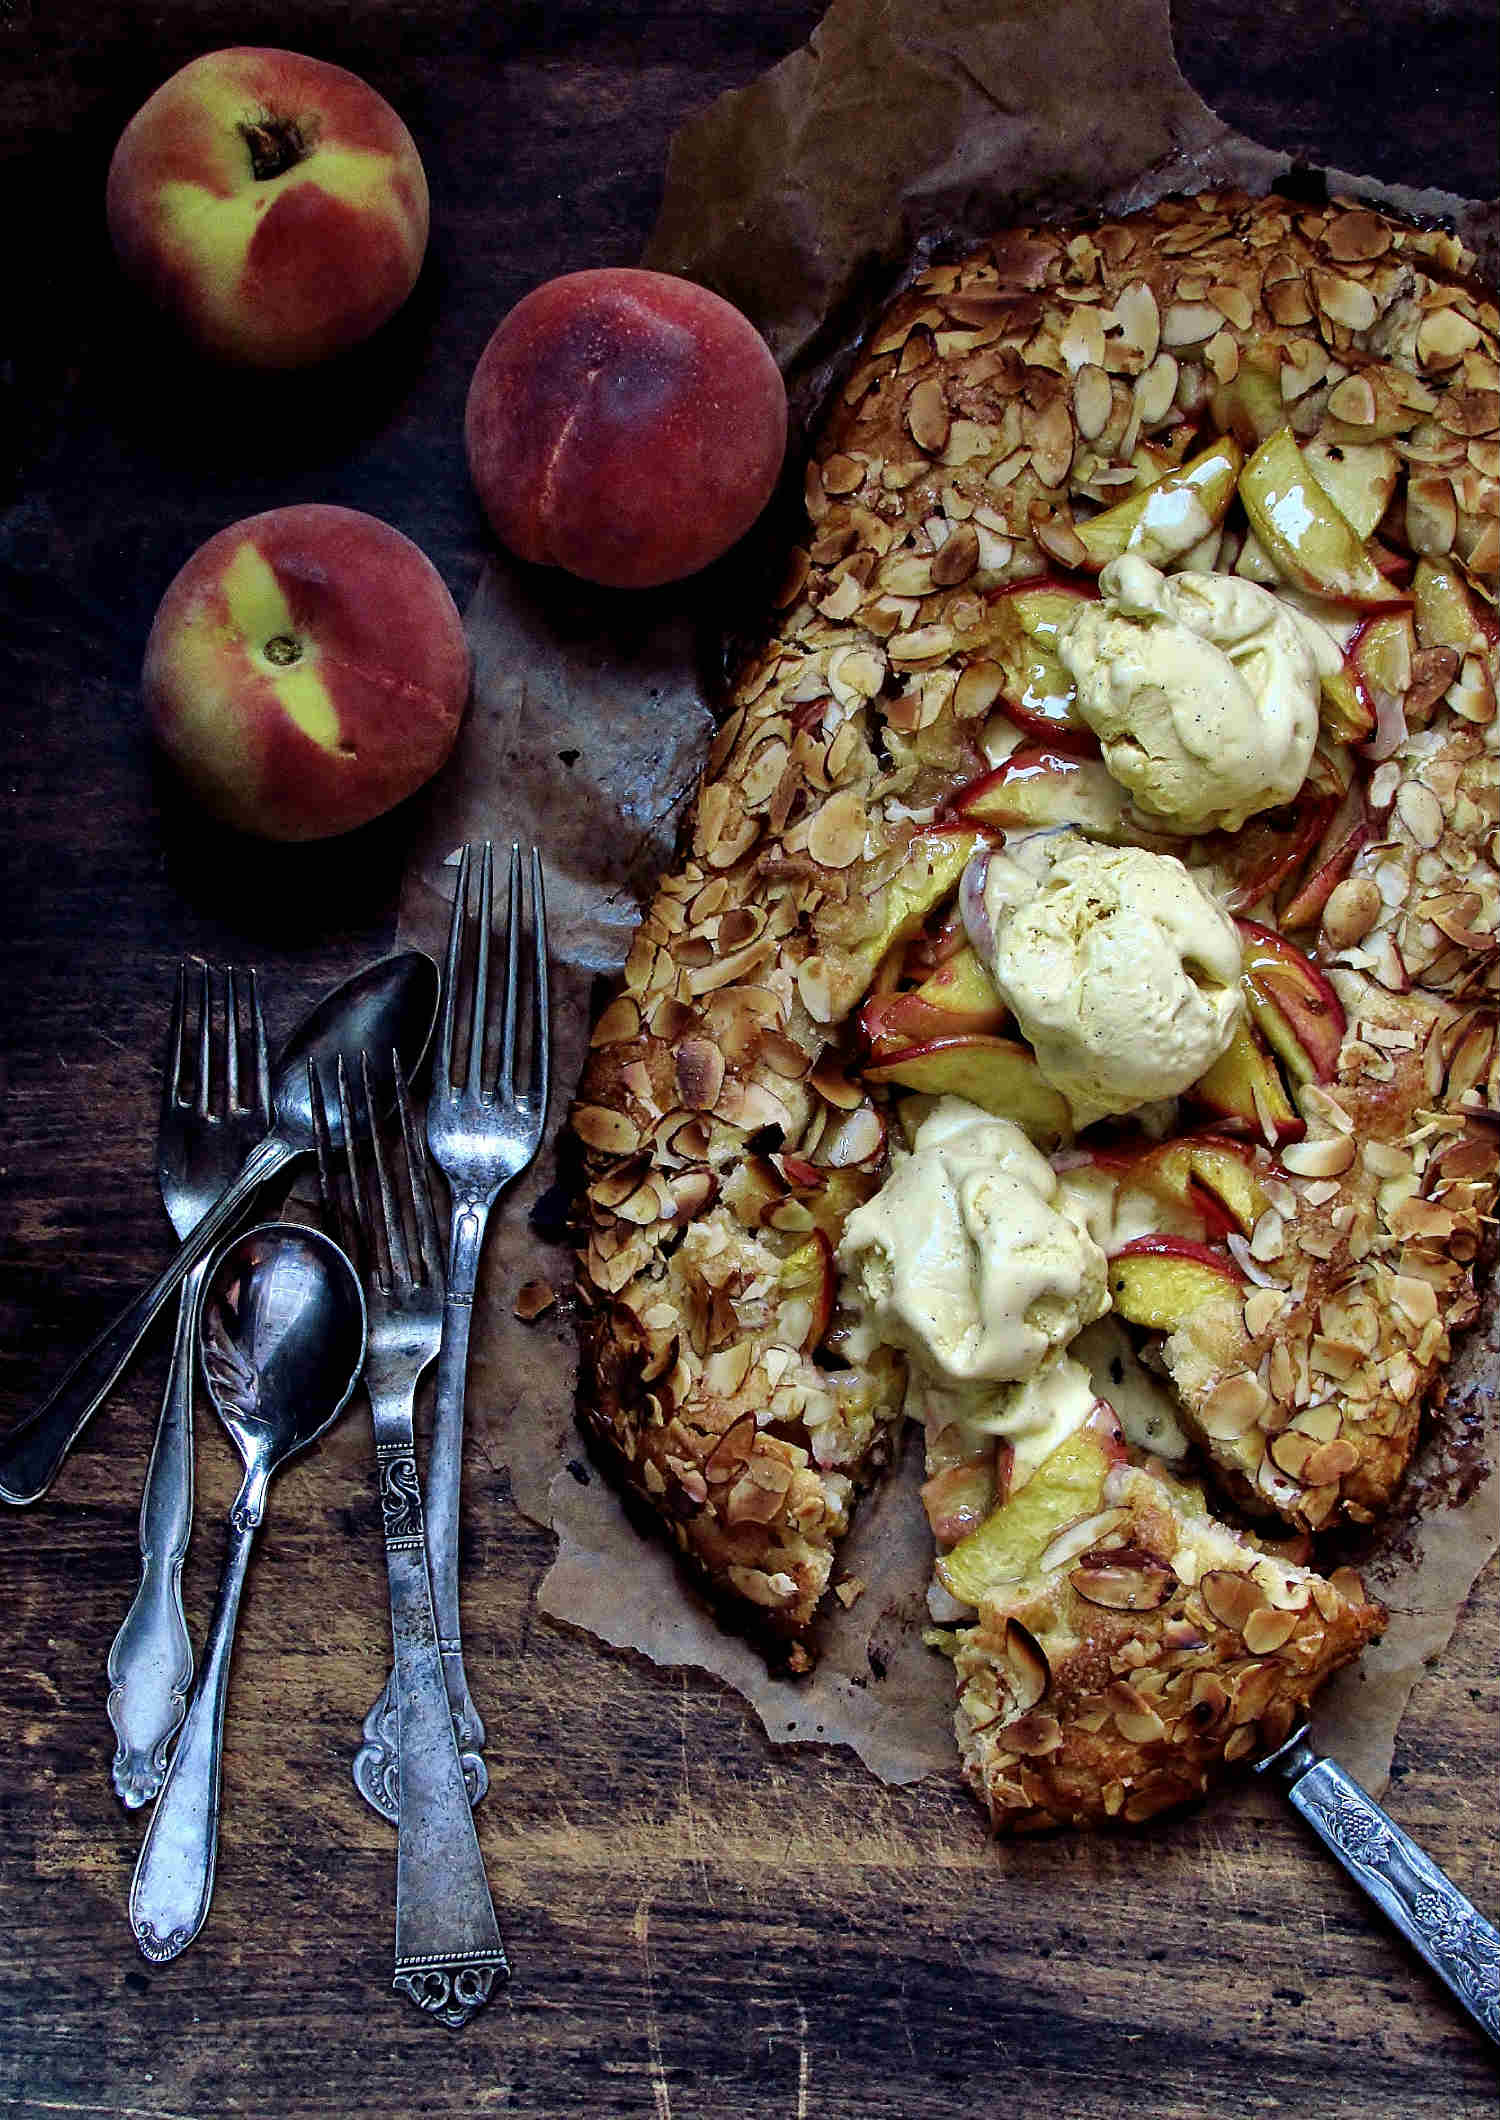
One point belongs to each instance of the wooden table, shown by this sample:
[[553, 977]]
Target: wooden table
[[701, 1926]]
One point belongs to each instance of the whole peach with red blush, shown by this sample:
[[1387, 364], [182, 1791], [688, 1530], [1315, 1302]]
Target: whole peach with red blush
[[274, 205], [306, 671], [625, 425]]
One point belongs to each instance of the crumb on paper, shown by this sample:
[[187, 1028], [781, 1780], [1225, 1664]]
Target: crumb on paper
[[533, 1298], [850, 1589]]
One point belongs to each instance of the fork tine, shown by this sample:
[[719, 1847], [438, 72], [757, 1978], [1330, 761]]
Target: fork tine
[[416, 1167], [443, 1072], [474, 1080], [232, 980], [542, 1040], [172, 1073], [205, 1027], [365, 1250], [507, 1080], [334, 1208], [262, 1054], [390, 1209]]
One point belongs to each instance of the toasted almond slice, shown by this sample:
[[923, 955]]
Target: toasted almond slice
[[1324, 1157], [927, 418]]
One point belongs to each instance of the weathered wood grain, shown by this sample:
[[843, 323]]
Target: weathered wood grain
[[702, 1928]]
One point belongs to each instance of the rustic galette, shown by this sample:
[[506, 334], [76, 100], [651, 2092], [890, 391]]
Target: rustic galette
[[1072, 1021]]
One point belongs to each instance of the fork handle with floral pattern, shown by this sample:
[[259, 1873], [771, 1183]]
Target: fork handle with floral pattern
[[1431, 1912]]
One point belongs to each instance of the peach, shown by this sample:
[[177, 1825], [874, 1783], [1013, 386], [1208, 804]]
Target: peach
[[306, 671], [274, 205], [624, 425]]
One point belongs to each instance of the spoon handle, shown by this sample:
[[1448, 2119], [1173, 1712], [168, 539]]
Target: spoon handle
[[448, 1949], [174, 1876], [32, 1452]]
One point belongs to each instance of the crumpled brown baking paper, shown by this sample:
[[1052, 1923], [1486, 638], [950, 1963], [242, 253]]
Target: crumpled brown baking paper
[[805, 198]]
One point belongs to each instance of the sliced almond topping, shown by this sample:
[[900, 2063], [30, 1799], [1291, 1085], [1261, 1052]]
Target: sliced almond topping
[[1352, 909], [1416, 1299], [1444, 337], [1353, 401], [700, 1074], [1343, 301], [842, 474], [1268, 1631], [1139, 319], [1421, 812], [836, 833], [1027, 1669], [1092, 401], [1082, 1537], [621, 1020], [977, 690], [958, 557], [1155, 388], [1330, 1462], [1234, 1406], [1325, 1157], [927, 417], [609, 1131], [1355, 236], [1189, 323], [1138, 1584], [1262, 1308], [1230, 1596]]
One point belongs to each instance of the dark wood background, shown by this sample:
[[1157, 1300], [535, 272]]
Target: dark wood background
[[700, 1926]]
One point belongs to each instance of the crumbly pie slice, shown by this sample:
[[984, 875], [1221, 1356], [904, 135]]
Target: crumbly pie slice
[[1250, 389]]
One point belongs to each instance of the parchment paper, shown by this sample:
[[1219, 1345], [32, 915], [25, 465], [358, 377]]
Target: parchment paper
[[806, 198]]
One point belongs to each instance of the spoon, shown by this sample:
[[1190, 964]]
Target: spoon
[[283, 1340], [390, 1004]]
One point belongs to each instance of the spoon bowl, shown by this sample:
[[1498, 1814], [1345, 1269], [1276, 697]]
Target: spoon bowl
[[282, 1334], [283, 1339], [388, 1006]]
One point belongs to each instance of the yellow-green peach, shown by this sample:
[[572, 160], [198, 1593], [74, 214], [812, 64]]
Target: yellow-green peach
[[273, 204], [306, 671]]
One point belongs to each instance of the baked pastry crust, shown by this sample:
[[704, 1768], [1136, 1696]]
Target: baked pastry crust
[[725, 1129]]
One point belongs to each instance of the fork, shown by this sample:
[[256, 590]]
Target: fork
[[200, 1148], [481, 1138], [448, 1949]]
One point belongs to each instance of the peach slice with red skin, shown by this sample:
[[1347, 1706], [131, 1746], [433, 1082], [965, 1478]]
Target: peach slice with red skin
[[1066, 1488], [1308, 541], [275, 206], [1205, 484], [1038, 787], [1208, 1171], [1244, 1085], [1037, 692], [808, 1277], [1157, 1282], [1313, 894], [958, 998], [1293, 1005], [305, 671], [998, 1074]]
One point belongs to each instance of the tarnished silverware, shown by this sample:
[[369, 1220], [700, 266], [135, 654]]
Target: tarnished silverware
[[204, 1136], [283, 1337], [392, 1003], [1420, 1899], [448, 1949], [483, 1132]]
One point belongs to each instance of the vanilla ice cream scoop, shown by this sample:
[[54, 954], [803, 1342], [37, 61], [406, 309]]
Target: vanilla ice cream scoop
[[1123, 973], [1202, 688], [967, 1259]]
